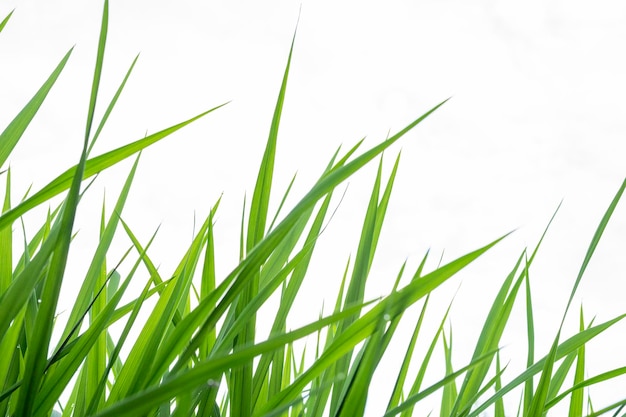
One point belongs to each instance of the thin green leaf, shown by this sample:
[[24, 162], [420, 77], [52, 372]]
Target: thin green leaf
[[5, 20], [14, 131]]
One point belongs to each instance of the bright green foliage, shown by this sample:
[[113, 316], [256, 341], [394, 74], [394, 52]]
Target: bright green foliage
[[198, 352]]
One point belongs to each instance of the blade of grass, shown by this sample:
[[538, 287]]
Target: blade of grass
[[36, 355], [5, 20], [95, 267], [14, 131], [540, 396], [412, 400], [92, 167], [6, 242], [396, 395], [576, 403], [450, 393]]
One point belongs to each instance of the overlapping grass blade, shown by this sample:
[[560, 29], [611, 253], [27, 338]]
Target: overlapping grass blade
[[365, 255], [396, 395], [93, 276], [412, 400], [541, 393], [364, 326], [362, 370], [138, 370], [36, 354], [146, 399], [241, 378], [62, 373], [565, 348]]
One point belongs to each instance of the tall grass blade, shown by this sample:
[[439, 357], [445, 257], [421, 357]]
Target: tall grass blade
[[94, 272], [396, 395], [450, 393], [6, 242], [241, 378], [576, 403]]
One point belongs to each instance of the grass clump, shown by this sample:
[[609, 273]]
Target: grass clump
[[198, 352]]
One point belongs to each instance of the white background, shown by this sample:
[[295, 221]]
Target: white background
[[536, 116]]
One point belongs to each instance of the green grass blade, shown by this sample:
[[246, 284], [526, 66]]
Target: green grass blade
[[396, 395], [14, 131], [207, 285], [362, 370], [594, 242], [619, 405], [530, 336], [60, 376], [95, 85], [98, 260], [605, 376], [109, 108], [36, 356], [565, 348], [365, 254], [450, 393], [289, 294], [5, 20], [147, 359], [490, 335], [413, 399], [241, 378], [576, 403], [6, 242], [92, 167], [365, 325], [145, 400], [541, 394], [115, 352], [499, 404]]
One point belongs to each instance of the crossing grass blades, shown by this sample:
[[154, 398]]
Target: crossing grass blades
[[198, 352]]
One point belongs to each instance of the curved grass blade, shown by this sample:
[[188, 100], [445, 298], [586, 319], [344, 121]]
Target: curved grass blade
[[5, 20], [14, 131], [190, 379], [92, 167]]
